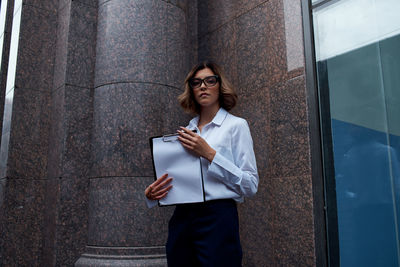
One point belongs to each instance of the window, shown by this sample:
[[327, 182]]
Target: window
[[358, 64]]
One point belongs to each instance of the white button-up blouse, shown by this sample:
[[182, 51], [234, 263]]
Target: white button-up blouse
[[233, 171]]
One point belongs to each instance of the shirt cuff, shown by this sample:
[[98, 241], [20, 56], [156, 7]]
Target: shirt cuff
[[220, 165], [151, 203]]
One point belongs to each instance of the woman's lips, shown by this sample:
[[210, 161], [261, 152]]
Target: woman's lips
[[203, 94]]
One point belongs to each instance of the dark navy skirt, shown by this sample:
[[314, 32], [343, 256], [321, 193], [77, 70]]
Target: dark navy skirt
[[204, 234]]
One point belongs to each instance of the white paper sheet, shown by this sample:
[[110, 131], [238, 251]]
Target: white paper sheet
[[169, 156]]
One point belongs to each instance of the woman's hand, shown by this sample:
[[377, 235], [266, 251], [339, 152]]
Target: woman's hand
[[196, 144], [159, 189]]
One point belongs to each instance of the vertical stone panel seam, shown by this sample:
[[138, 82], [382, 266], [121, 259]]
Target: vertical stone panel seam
[[85, 4], [58, 35], [235, 17], [59, 9]]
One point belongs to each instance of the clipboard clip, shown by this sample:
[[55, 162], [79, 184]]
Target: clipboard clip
[[173, 137], [170, 137]]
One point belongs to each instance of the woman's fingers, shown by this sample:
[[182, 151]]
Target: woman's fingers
[[196, 144], [186, 141], [188, 146], [161, 193], [162, 196], [161, 185], [187, 131], [160, 180], [159, 188], [155, 183], [188, 137], [192, 141]]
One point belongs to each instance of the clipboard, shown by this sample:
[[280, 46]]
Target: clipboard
[[169, 156]]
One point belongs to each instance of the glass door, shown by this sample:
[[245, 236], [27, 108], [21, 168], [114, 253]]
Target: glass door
[[357, 47]]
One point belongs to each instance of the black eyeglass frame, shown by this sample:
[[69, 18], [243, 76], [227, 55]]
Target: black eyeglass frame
[[203, 81]]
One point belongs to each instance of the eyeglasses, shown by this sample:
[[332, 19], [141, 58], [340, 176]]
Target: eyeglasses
[[208, 81]]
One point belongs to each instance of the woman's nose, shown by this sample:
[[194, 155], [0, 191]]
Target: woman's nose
[[203, 86]]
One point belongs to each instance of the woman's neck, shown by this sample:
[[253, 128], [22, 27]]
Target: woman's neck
[[207, 115]]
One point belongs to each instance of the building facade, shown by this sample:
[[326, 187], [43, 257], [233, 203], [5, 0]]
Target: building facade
[[85, 83]]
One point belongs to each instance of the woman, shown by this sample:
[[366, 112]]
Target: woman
[[207, 234]]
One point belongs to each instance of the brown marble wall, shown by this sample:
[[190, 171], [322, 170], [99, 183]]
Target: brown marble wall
[[25, 136], [96, 78], [260, 45]]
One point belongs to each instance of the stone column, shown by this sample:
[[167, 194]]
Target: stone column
[[69, 154], [141, 60], [25, 131]]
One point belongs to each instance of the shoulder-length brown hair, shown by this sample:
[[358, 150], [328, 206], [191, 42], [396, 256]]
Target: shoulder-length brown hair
[[227, 95]]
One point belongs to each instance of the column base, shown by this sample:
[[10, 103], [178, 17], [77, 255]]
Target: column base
[[123, 256]]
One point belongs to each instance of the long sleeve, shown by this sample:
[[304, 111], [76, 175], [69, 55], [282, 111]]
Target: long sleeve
[[240, 174]]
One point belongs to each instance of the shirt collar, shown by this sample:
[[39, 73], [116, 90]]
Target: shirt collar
[[193, 123], [218, 119]]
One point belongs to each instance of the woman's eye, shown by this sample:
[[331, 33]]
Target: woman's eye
[[211, 80]]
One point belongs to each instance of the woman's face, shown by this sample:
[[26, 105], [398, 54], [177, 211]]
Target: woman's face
[[206, 96]]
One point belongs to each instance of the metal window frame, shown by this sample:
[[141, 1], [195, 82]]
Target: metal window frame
[[326, 235]]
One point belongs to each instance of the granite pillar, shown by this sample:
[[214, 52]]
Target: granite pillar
[[23, 156], [66, 194], [260, 45], [142, 57]]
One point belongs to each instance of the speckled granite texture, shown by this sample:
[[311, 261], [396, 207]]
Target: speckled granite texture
[[25, 136], [70, 133], [132, 224], [260, 45], [96, 78], [46, 158], [141, 59]]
